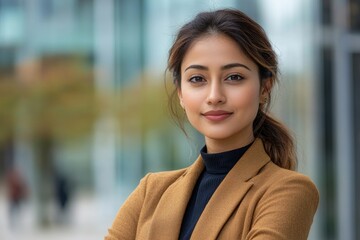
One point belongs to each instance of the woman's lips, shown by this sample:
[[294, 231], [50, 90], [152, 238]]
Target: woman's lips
[[218, 115]]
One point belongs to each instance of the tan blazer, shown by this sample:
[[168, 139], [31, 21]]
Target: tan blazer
[[256, 200]]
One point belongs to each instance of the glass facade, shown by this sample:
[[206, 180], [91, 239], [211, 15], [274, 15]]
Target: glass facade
[[338, 119], [130, 39]]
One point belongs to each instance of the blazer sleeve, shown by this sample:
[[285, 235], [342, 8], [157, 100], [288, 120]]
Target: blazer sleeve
[[126, 221], [286, 210]]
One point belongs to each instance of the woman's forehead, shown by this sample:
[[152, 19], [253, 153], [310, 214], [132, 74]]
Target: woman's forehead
[[215, 50]]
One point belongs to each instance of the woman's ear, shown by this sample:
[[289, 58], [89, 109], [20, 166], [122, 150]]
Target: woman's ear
[[265, 90]]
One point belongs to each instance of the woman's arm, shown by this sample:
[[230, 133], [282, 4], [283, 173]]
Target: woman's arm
[[286, 210], [125, 224]]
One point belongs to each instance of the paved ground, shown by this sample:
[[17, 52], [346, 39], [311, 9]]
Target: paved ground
[[84, 223], [54, 234]]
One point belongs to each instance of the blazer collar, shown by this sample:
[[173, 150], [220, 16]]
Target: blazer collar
[[169, 212], [171, 208], [230, 192]]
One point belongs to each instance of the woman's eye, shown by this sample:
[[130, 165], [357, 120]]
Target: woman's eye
[[196, 79], [235, 77]]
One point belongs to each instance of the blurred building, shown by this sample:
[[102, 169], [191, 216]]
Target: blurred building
[[339, 54], [125, 45]]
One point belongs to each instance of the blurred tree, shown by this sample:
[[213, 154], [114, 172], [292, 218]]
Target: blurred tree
[[58, 102], [143, 105], [60, 106]]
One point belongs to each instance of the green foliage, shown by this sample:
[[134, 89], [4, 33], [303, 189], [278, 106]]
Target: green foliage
[[59, 104], [62, 103], [142, 106], [9, 94]]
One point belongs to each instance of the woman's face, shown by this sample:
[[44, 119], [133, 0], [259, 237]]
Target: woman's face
[[220, 92]]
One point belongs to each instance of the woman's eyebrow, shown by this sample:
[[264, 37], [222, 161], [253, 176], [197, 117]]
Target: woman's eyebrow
[[227, 66], [232, 65], [200, 67]]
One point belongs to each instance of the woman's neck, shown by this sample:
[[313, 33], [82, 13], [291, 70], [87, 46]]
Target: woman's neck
[[221, 145]]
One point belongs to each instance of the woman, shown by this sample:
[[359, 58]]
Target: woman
[[242, 186]]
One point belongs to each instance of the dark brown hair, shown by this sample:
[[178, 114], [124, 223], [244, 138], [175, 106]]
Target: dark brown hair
[[252, 39]]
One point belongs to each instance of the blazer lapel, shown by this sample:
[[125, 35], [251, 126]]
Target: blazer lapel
[[230, 192], [169, 212]]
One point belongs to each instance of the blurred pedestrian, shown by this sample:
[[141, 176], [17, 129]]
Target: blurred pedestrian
[[17, 192], [62, 196]]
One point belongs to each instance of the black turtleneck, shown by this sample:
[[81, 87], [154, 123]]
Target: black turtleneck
[[217, 165]]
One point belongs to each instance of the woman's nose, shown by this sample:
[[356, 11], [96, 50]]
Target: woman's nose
[[216, 94]]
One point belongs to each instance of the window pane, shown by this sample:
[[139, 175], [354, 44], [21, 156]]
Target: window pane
[[356, 87], [354, 8], [329, 177], [326, 18]]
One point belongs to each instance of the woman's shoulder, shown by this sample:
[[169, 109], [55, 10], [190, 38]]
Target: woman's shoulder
[[281, 174], [284, 179]]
